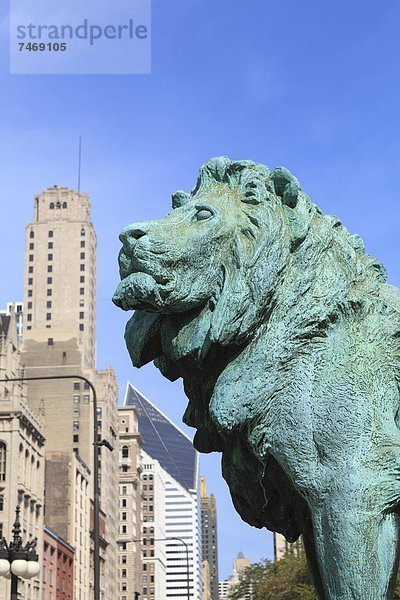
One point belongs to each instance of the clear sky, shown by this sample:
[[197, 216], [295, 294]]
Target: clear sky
[[311, 85]]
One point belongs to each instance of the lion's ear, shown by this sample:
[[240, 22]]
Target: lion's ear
[[296, 205], [286, 186], [180, 198]]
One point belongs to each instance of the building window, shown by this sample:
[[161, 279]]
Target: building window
[[3, 462], [1, 502], [30, 269], [49, 257], [82, 243], [76, 398], [82, 267], [50, 341], [31, 246], [50, 233], [51, 205], [31, 258], [48, 316], [125, 452], [49, 280], [49, 268], [82, 254], [86, 399], [50, 245], [83, 232], [81, 315], [82, 291], [76, 438], [29, 317], [77, 385], [31, 234], [76, 425], [76, 412], [29, 304], [82, 279], [29, 327], [48, 304], [81, 327], [49, 292], [64, 205], [30, 281]]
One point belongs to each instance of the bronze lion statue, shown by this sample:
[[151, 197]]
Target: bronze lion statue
[[287, 338]]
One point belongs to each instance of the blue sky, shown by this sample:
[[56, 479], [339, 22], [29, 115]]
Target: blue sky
[[311, 85]]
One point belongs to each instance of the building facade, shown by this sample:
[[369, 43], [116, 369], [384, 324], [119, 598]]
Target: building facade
[[209, 536], [282, 547], [165, 443], [57, 567], [240, 565], [205, 566], [21, 457], [67, 485], [60, 340], [129, 503], [154, 558]]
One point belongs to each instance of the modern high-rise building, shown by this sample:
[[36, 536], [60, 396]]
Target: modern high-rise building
[[59, 340], [165, 443], [209, 535]]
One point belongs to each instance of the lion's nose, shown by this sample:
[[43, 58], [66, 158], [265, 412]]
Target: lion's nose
[[133, 232]]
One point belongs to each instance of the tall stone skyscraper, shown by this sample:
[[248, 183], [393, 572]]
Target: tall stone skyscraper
[[209, 535], [60, 272], [60, 339]]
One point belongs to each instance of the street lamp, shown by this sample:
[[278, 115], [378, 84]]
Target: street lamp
[[17, 560], [96, 494]]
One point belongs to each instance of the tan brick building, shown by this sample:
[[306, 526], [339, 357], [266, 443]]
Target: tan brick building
[[67, 480], [60, 339], [130, 504]]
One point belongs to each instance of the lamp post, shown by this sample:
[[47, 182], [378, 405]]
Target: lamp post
[[17, 560], [187, 557], [96, 498]]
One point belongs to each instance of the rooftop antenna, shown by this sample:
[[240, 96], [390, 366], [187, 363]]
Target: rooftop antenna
[[79, 163]]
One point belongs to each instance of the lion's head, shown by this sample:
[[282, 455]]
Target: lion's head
[[223, 245]]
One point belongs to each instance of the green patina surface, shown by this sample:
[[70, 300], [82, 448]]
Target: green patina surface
[[287, 337]]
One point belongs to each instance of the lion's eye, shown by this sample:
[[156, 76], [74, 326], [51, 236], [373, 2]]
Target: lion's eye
[[203, 214]]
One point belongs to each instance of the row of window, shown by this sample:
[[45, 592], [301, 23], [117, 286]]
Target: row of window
[[51, 233]]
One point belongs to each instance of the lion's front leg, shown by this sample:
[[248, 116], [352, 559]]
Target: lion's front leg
[[357, 550]]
